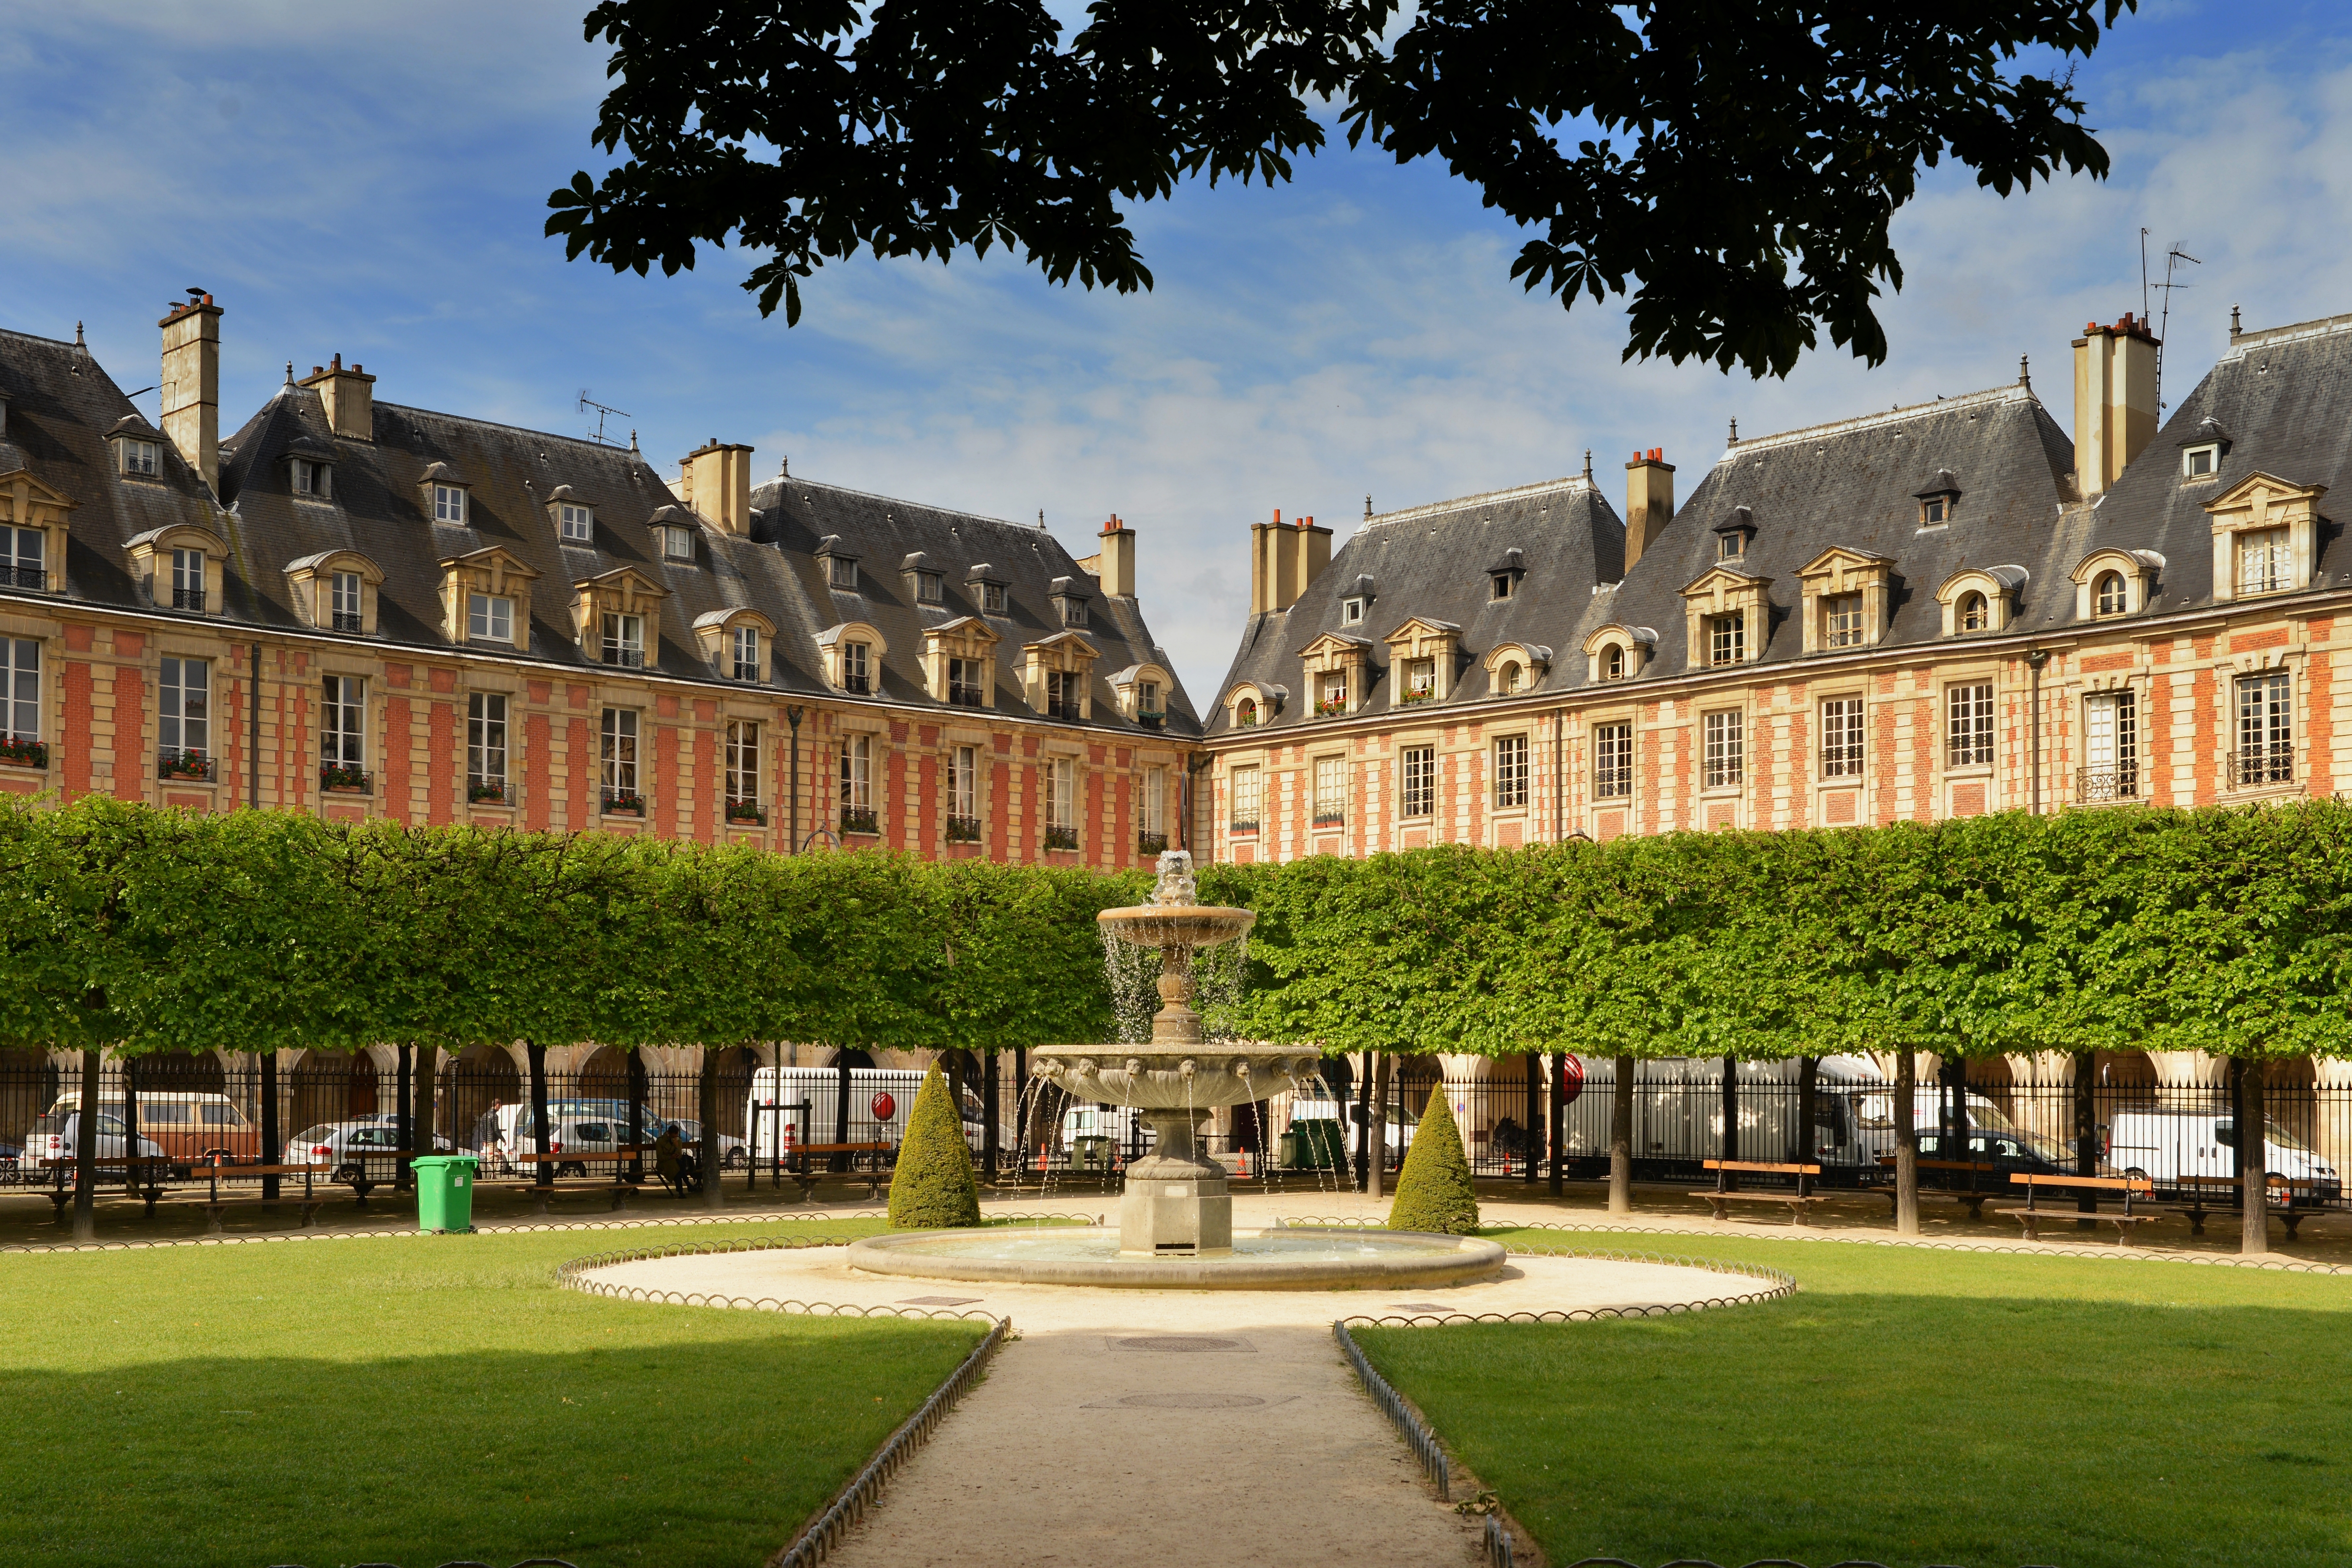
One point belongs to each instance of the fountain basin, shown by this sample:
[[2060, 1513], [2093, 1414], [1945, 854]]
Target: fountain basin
[[1194, 1076], [1293, 1258]]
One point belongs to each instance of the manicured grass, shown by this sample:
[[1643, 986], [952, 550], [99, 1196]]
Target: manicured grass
[[418, 1400], [1914, 1406]]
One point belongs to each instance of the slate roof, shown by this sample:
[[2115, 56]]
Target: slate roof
[[60, 407]]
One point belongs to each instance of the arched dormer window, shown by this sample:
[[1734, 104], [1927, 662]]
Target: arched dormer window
[[1975, 615], [1513, 667], [1981, 599], [1249, 704], [1612, 663], [1143, 691], [739, 643], [2111, 583], [182, 567], [336, 590], [1618, 652], [853, 654], [2107, 595]]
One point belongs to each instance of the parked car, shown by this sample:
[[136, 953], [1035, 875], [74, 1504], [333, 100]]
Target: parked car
[[2012, 1151], [505, 1127], [2165, 1145], [364, 1146], [55, 1135], [188, 1126], [12, 1163]]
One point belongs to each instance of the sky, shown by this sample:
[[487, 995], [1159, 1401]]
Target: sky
[[371, 179]]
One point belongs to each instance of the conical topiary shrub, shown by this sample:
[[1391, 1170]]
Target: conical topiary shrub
[[932, 1187], [1433, 1191]]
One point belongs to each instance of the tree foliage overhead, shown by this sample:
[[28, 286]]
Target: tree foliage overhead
[[1735, 168]]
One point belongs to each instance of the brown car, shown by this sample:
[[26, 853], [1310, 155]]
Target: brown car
[[189, 1127]]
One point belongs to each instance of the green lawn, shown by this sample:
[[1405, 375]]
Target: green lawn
[[1912, 1408], [415, 1401]]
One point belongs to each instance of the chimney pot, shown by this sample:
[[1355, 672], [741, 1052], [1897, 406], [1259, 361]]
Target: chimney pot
[[2115, 400]]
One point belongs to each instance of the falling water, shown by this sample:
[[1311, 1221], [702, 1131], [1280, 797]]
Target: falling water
[[1134, 975]]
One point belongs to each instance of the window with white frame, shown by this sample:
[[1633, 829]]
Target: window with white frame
[[187, 579], [742, 763], [1419, 679], [858, 785], [2265, 753], [624, 640], [20, 691], [1146, 700], [578, 524], [618, 735], [139, 458], [2263, 564], [1351, 613], [343, 592], [1249, 799], [1731, 545], [1841, 753], [963, 794], [1062, 689], [342, 729], [2201, 462], [1062, 794], [1934, 511], [2110, 745], [489, 617], [485, 746], [184, 708], [1331, 792], [310, 477], [1967, 725], [1613, 662], [24, 561], [1417, 772], [1334, 700], [743, 646], [1841, 620], [449, 503], [1155, 803], [1510, 772], [1724, 744], [1612, 762], [1727, 639]]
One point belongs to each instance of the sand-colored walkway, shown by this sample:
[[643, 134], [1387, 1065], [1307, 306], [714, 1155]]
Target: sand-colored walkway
[[1133, 1428]]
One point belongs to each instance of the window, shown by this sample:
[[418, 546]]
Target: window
[[856, 672], [576, 522], [187, 579], [1155, 806], [678, 543], [1351, 613], [743, 643], [1245, 713], [1418, 766], [20, 692], [184, 722], [1975, 615], [1507, 679], [963, 795], [2266, 730], [1510, 772], [310, 477], [1419, 679], [1842, 738], [841, 572], [620, 757], [1331, 792], [343, 591], [448, 503], [1073, 612], [930, 587], [1147, 699], [139, 458], [1612, 663], [966, 683], [624, 640], [1501, 585], [1935, 510], [343, 732], [491, 619], [1062, 689], [1968, 726], [857, 785], [991, 598], [2262, 565], [1612, 762], [1333, 702], [2110, 746], [23, 558], [1730, 546], [1841, 620], [1061, 804], [2107, 596], [1249, 797], [1727, 639], [2201, 462], [485, 746], [742, 763], [1726, 758]]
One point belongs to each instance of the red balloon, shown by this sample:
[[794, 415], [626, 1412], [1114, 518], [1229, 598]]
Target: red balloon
[[883, 1106], [1571, 1079]]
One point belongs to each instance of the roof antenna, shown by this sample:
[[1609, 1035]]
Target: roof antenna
[[2173, 256], [586, 403]]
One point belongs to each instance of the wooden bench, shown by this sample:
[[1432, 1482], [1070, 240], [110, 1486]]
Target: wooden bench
[[2197, 1187], [2033, 1218], [215, 1204], [620, 1187], [60, 1195], [1723, 1195], [1974, 1196], [808, 1174]]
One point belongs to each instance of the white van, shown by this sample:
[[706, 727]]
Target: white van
[[2165, 1145]]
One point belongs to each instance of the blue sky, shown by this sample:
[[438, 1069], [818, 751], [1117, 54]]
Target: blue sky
[[371, 179]]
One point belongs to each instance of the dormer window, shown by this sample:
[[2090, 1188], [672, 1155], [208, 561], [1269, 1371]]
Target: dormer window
[[139, 458], [1419, 679], [2107, 595], [1507, 679], [311, 478], [1069, 602], [1073, 612], [1938, 499], [967, 682], [577, 522], [856, 674], [930, 587], [1727, 639], [991, 598], [840, 567], [1975, 615], [2201, 462], [489, 617], [1502, 581], [1984, 599], [1351, 613], [1841, 620], [1730, 546], [1935, 510], [743, 649], [1612, 663], [493, 575], [345, 597], [624, 640], [449, 503], [676, 543], [23, 558], [1731, 535], [1333, 700], [1505, 575]]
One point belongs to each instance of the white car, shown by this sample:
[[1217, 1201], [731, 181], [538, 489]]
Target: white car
[[53, 1137], [364, 1146]]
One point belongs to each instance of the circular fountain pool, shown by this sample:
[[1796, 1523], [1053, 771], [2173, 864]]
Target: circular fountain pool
[[1288, 1260]]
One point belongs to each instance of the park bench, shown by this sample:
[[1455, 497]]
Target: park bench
[[215, 1205], [1973, 1196], [153, 1169], [2198, 1186], [1723, 1194], [2033, 1218], [806, 1176], [619, 1186]]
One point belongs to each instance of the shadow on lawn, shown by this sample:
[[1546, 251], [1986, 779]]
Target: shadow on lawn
[[1908, 1429], [675, 1454]]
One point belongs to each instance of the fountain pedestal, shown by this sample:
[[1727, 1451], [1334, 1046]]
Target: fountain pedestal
[[1176, 1203]]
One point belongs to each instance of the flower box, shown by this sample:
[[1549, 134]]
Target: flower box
[[1410, 698], [859, 819], [341, 778], [16, 753], [192, 767], [624, 805], [1061, 839], [1331, 708], [484, 793], [747, 814]]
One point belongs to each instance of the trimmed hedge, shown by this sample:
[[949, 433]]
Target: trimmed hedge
[[1433, 1191], [933, 1187]]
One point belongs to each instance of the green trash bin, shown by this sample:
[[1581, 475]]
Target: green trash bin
[[444, 1192]]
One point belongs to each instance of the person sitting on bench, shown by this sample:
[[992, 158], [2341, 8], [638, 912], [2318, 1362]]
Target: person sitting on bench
[[672, 1164]]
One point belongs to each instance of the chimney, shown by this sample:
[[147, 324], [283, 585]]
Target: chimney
[[191, 385], [349, 397], [715, 482], [1310, 550], [1649, 501], [1271, 566], [2115, 400], [1115, 565]]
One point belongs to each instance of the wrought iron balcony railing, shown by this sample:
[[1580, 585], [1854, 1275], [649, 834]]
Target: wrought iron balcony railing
[[1061, 836], [859, 819], [2095, 785], [963, 830], [2251, 767]]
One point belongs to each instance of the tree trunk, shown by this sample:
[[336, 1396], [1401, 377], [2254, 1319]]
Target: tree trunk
[[1364, 1124], [1808, 1073], [1531, 1140], [1907, 1143], [2254, 1157], [1377, 1132], [404, 1100], [85, 1203], [1555, 1121], [542, 1173], [636, 1115], [989, 1102], [1621, 1139], [711, 1197], [272, 1151], [2086, 1125], [1728, 1146]]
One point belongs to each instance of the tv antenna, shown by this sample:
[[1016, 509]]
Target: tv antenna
[[2173, 256], [603, 414]]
